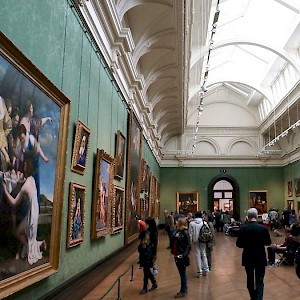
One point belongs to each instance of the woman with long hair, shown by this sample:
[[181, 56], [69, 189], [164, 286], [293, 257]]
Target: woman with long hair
[[181, 250], [152, 229]]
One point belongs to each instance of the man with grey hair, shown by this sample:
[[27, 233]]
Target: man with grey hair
[[253, 238]]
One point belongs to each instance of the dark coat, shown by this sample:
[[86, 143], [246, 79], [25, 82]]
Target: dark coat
[[253, 238], [183, 242], [147, 254]]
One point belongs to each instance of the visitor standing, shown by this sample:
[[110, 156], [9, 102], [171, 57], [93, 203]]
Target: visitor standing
[[147, 257], [181, 250], [200, 248], [253, 238], [169, 226], [208, 217]]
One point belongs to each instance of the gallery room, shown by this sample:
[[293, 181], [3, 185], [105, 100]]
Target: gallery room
[[116, 112]]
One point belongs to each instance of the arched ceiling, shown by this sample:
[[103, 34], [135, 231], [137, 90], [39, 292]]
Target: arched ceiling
[[254, 41], [155, 28]]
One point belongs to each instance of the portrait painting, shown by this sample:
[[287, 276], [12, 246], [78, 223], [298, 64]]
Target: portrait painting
[[290, 204], [33, 138], [133, 178], [259, 200], [297, 187], [117, 209], [144, 175], [76, 214], [147, 179], [187, 202], [81, 147], [120, 155], [152, 195], [290, 188], [103, 195]]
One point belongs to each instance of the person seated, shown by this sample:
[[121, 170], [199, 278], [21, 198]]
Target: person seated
[[282, 248]]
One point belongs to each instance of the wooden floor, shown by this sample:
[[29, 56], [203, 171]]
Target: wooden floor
[[226, 281]]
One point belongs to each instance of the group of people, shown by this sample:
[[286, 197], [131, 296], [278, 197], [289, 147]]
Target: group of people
[[20, 180], [253, 237], [198, 233]]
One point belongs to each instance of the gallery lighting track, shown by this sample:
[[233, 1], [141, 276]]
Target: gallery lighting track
[[203, 88]]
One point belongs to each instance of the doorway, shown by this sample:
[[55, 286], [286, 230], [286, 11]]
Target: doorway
[[223, 193]]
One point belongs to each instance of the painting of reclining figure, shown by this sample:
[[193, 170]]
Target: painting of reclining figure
[[30, 137]]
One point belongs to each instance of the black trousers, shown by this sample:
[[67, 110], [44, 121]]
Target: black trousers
[[255, 281], [148, 275]]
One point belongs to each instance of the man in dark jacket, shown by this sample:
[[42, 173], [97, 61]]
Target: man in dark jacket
[[253, 238]]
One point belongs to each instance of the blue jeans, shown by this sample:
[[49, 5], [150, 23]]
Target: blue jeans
[[182, 272]]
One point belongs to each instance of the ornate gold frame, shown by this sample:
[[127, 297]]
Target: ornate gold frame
[[75, 167], [186, 193], [73, 187], [152, 192], [97, 233], [129, 239], [119, 137], [267, 199], [24, 65], [115, 229]]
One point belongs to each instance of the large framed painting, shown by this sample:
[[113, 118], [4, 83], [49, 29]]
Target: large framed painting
[[102, 195], [34, 118], [187, 202], [76, 214], [133, 186], [297, 187], [81, 148], [117, 209], [120, 155], [259, 200], [290, 188]]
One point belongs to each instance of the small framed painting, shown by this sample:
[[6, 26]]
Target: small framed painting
[[102, 195], [290, 188], [259, 200], [297, 187], [187, 202], [290, 204], [117, 217], [76, 214], [120, 155], [81, 148]]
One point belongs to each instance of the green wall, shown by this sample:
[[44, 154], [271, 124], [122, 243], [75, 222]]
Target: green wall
[[50, 35], [291, 172], [197, 179]]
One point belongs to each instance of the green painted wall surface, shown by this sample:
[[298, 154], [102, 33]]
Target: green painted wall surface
[[50, 35], [291, 172], [197, 180]]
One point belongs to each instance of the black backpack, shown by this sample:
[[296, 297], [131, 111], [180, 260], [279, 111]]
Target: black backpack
[[205, 234]]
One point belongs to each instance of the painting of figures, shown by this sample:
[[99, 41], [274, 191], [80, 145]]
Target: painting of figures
[[76, 214], [133, 178], [103, 195], [32, 116], [259, 200], [81, 147]]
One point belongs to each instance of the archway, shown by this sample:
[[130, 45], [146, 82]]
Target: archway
[[224, 191]]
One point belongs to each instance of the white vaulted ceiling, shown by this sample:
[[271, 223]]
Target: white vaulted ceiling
[[157, 52]]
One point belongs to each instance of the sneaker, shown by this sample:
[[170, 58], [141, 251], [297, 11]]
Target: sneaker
[[155, 272], [199, 274], [143, 291]]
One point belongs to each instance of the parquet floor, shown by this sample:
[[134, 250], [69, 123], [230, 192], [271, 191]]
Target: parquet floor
[[226, 281]]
